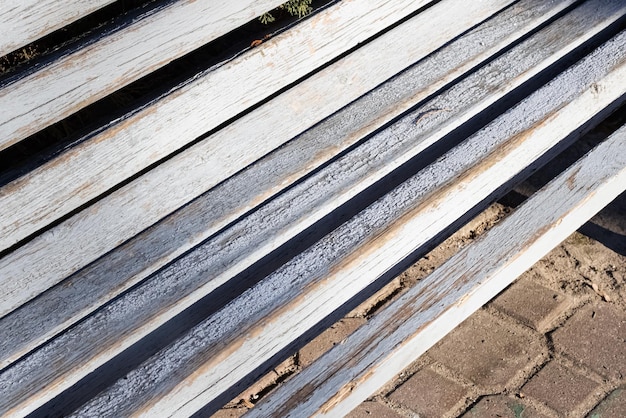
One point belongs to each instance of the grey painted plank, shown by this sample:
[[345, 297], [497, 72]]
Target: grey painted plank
[[223, 349], [97, 339], [142, 138], [24, 21], [400, 333], [109, 276], [57, 253], [76, 80]]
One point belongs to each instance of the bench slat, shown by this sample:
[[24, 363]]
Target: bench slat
[[223, 349], [55, 254], [24, 21], [351, 372], [132, 144], [95, 285], [76, 80]]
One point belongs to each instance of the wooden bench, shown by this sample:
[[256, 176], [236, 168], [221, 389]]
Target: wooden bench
[[164, 256]]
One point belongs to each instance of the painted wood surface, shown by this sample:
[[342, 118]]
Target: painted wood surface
[[24, 21], [76, 80], [98, 283], [107, 277], [132, 144], [354, 370], [94, 282], [221, 350], [63, 250]]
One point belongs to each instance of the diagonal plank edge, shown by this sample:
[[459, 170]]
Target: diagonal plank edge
[[168, 294], [128, 310], [351, 372]]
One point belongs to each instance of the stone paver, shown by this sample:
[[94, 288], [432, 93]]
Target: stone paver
[[560, 388], [501, 406], [429, 394], [613, 406], [488, 352], [596, 337], [373, 410], [533, 304]]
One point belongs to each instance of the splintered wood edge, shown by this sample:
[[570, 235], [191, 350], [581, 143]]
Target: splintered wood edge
[[26, 21], [351, 372]]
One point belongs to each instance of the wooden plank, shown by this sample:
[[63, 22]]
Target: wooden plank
[[63, 250], [351, 372], [196, 222], [223, 349], [132, 144], [24, 21], [80, 78], [127, 265]]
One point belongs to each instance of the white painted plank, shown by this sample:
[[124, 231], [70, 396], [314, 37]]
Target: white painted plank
[[354, 370], [196, 222], [24, 21], [130, 145], [223, 349], [76, 80], [55, 254]]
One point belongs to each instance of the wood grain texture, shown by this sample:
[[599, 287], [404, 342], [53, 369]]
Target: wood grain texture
[[76, 80], [221, 350], [25, 21], [196, 222], [130, 145], [63, 250], [354, 370]]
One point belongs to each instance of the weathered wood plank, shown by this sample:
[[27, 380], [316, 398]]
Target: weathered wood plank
[[288, 305], [400, 333], [55, 254], [223, 349], [130, 145], [80, 78], [196, 222], [24, 21]]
